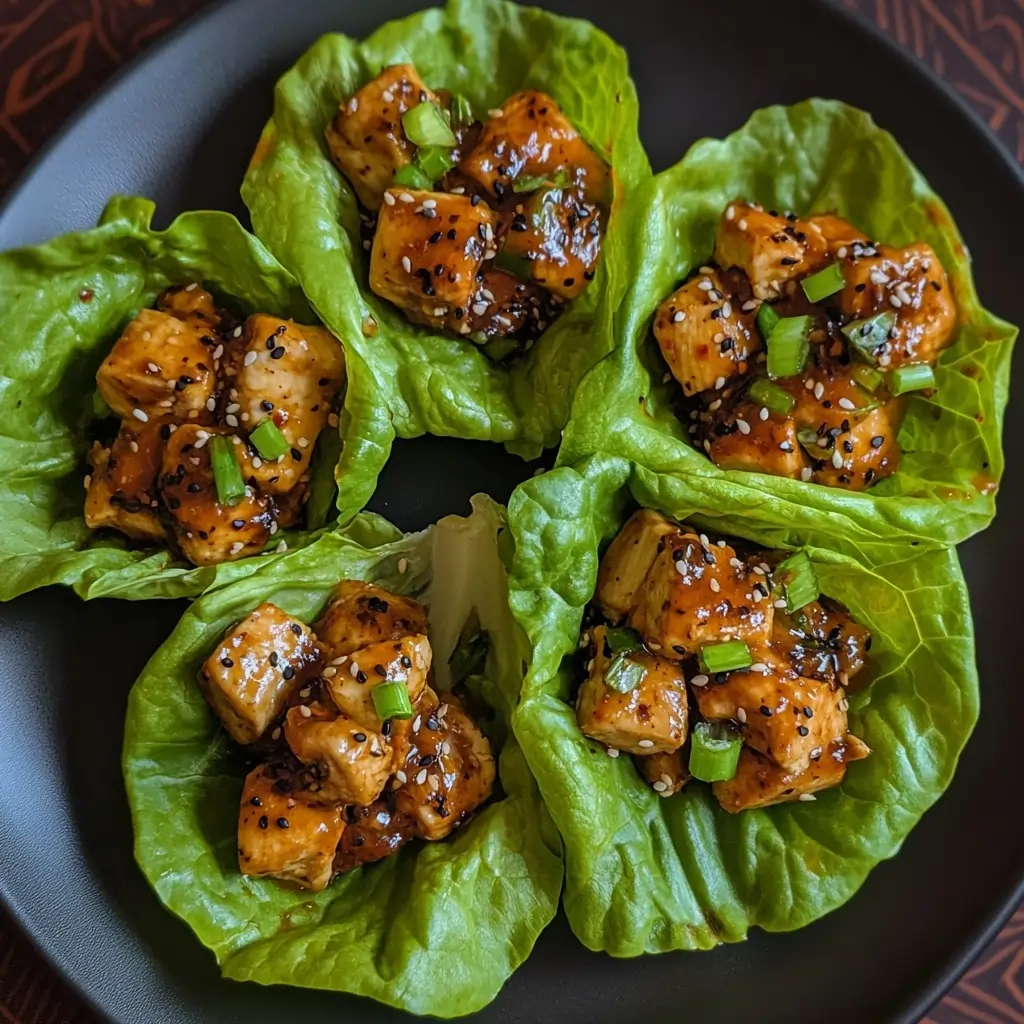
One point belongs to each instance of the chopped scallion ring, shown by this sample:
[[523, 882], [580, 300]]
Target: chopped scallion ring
[[623, 674], [226, 473], [461, 111], [868, 335], [798, 580], [623, 641], [268, 440], [915, 377], [529, 183], [767, 318], [425, 125], [824, 283], [788, 346], [434, 162], [772, 397], [867, 377], [725, 657], [391, 700], [412, 176], [714, 751]]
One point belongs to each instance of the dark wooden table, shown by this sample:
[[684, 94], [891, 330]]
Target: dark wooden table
[[55, 53]]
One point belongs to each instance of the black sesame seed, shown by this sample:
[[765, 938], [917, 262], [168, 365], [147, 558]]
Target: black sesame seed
[[359, 840], [380, 670], [238, 523], [267, 406], [803, 730], [452, 234], [877, 441], [808, 712], [716, 313], [499, 189], [282, 822], [406, 661], [474, 201], [788, 261], [288, 672], [256, 802], [296, 629], [264, 821], [385, 729], [361, 676], [296, 455], [174, 504], [432, 724], [278, 352], [426, 760], [569, 282], [435, 238], [359, 737], [194, 488], [274, 658], [227, 662], [767, 712]]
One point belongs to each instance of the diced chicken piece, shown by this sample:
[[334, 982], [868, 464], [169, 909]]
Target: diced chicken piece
[[160, 367], [351, 763], [559, 234], [696, 595], [371, 834], [253, 671], [366, 139], [628, 559], [911, 283], [771, 250], [289, 373], [533, 138], [122, 486], [704, 335], [402, 733], [427, 251], [784, 716], [190, 302], [351, 686], [502, 305], [839, 234], [281, 835], [760, 782], [359, 614], [666, 773], [206, 531], [449, 773], [739, 438], [650, 718], [821, 641]]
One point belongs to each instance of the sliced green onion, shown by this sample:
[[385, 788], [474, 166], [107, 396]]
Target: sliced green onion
[[425, 125], [435, 161], [412, 176], [867, 377], [788, 346], [809, 438], [798, 580], [461, 111], [868, 334], [772, 397], [824, 283], [517, 266], [226, 473], [268, 440], [915, 377], [623, 641], [100, 409], [530, 183], [623, 674], [726, 657], [714, 751], [391, 700], [767, 318]]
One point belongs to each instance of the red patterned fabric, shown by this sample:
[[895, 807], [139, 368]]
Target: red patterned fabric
[[55, 53]]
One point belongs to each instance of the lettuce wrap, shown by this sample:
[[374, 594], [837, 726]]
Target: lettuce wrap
[[648, 874], [70, 299], [817, 156], [435, 929], [306, 213]]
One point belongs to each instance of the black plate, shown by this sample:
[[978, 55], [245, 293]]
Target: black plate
[[179, 126]]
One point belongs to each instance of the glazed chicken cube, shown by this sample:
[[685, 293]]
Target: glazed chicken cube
[[351, 684], [704, 335], [160, 367], [770, 249], [502, 305], [207, 531], [821, 641], [628, 559], [255, 669], [122, 486], [666, 773], [289, 373], [190, 303], [281, 835], [427, 251], [360, 614], [372, 833], [650, 718], [784, 716], [739, 438], [840, 235], [366, 139], [449, 772], [351, 763], [696, 595], [911, 283], [531, 137], [559, 234], [760, 782]]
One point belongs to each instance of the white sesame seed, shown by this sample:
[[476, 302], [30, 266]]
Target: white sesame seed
[[699, 681], [681, 567], [705, 284], [237, 332], [841, 252], [276, 734], [741, 716], [218, 352], [735, 562], [612, 752], [231, 421], [354, 669], [304, 692], [389, 199], [405, 197], [233, 407], [421, 776], [134, 445], [730, 212], [666, 377], [341, 660], [480, 308], [496, 112], [894, 301], [877, 277], [744, 426], [401, 776], [645, 743], [250, 358], [273, 529], [440, 310], [719, 383], [819, 390], [329, 673], [353, 105], [707, 446], [417, 722], [282, 547], [807, 797], [719, 338], [153, 368], [715, 405], [407, 264], [429, 204], [726, 309], [590, 665], [256, 462], [679, 317], [387, 96], [332, 419], [704, 540], [166, 404], [403, 564], [749, 306], [714, 584], [763, 414], [147, 335], [845, 403], [837, 460], [303, 442], [140, 415], [88, 481], [667, 779], [722, 544], [446, 748], [659, 786], [304, 711], [714, 295], [806, 473], [742, 225], [236, 547], [780, 603], [844, 705], [759, 666]]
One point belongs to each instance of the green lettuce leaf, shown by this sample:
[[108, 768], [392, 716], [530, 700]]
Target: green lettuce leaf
[[648, 874], [435, 929], [816, 156], [306, 213], [67, 301]]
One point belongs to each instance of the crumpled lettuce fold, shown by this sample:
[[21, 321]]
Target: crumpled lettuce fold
[[435, 929], [819, 155], [306, 213], [65, 303], [649, 874]]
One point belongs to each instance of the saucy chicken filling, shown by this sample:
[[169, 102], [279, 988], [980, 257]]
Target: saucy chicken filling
[[482, 229], [705, 664], [358, 752], [218, 423], [795, 349]]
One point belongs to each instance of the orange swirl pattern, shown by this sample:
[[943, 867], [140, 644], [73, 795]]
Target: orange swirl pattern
[[55, 53]]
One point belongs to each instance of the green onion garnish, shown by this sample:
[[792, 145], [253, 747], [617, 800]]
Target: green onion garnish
[[461, 111], [268, 440], [435, 161], [867, 377], [623, 641], [767, 318], [726, 657], [772, 397], [425, 125], [915, 377], [624, 675], [530, 183], [788, 346], [798, 580], [226, 473], [824, 283], [867, 335], [411, 176], [517, 266], [714, 751], [391, 700]]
